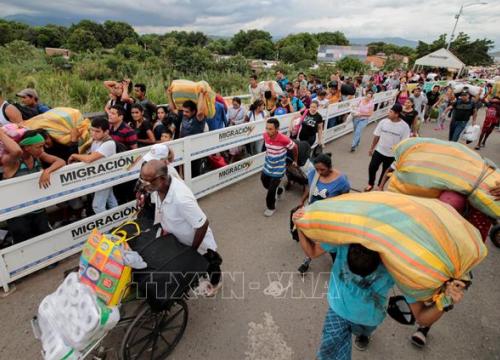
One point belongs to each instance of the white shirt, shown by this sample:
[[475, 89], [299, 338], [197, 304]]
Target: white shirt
[[391, 133], [105, 148], [256, 92], [419, 103], [180, 215], [255, 116]]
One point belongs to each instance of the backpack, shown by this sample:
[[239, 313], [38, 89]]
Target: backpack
[[120, 147], [26, 112]]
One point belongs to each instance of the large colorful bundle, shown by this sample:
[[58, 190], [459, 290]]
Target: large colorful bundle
[[422, 242], [425, 167], [59, 122], [183, 90]]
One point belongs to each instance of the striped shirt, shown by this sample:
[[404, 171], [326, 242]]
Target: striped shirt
[[124, 134], [276, 149]]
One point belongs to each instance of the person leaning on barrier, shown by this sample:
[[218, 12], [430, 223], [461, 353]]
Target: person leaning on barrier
[[178, 212], [23, 159], [102, 146]]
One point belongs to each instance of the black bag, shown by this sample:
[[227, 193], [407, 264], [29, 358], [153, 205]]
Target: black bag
[[172, 267]]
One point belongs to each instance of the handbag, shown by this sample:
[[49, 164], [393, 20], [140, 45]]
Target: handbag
[[102, 265]]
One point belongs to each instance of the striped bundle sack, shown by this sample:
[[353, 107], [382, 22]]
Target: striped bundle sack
[[59, 122], [183, 90], [425, 167], [422, 242]]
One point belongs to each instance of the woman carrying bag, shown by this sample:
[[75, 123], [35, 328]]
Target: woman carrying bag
[[324, 182]]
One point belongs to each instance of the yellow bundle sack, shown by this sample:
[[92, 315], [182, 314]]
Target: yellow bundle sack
[[423, 243], [426, 167], [183, 90], [59, 122]]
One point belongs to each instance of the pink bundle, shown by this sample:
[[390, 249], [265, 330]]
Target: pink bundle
[[13, 131]]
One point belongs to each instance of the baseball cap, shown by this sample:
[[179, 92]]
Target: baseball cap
[[28, 92], [464, 92], [157, 152]]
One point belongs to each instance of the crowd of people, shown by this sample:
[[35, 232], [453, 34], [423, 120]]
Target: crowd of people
[[133, 121]]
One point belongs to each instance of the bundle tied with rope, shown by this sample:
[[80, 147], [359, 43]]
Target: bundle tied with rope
[[423, 243], [425, 167]]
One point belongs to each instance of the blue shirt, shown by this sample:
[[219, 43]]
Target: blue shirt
[[219, 120], [297, 103], [322, 190], [191, 126], [361, 300], [282, 83]]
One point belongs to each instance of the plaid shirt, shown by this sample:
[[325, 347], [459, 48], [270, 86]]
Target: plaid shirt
[[125, 135]]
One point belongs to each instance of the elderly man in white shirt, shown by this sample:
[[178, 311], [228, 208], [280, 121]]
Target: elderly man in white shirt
[[177, 210]]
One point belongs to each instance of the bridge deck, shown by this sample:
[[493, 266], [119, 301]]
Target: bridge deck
[[255, 247]]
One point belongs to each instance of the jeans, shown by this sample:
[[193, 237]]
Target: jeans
[[103, 198], [336, 341], [271, 184], [456, 128], [359, 124], [377, 159]]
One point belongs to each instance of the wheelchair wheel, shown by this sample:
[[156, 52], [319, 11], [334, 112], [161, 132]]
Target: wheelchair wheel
[[154, 335]]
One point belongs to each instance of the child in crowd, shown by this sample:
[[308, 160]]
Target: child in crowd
[[102, 146]]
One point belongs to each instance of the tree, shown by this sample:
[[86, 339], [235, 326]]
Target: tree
[[305, 41], [151, 42], [220, 46], [471, 53], [95, 29], [187, 38], [331, 38], [117, 32], [82, 40], [12, 30], [292, 53], [351, 65], [49, 36], [191, 59], [260, 49], [242, 39]]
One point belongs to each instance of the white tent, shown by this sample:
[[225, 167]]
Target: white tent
[[441, 58]]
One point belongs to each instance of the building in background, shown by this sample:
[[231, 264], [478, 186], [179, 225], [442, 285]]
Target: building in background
[[333, 53]]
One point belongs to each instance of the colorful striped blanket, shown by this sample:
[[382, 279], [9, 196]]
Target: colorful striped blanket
[[59, 122], [422, 242], [183, 90], [425, 167]]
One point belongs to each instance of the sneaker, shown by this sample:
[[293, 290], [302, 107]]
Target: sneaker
[[304, 266], [279, 193], [213, 289], [361, 342], [419, 338], [353, 149], [203, 288], [269, 212]]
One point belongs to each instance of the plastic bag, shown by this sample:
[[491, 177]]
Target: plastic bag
[[471, 133], [74, 314]]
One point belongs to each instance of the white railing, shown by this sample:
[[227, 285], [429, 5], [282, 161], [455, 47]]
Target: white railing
[[22, 195]]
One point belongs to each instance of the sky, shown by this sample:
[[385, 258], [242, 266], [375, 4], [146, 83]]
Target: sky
[[415, 20]]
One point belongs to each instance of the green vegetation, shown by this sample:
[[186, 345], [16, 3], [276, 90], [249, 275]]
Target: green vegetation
[[113, 50]]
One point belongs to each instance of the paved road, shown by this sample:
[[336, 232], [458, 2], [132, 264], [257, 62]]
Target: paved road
[[253, 324]]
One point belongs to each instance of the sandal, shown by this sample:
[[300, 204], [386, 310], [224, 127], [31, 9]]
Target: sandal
[[368, 188]]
